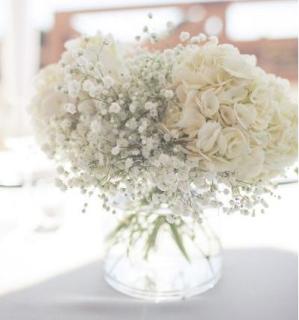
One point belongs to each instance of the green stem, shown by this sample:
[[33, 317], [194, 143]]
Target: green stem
[[178, 240], [151, 241]]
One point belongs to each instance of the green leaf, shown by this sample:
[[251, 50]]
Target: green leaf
[[178, 240], [151, 241]]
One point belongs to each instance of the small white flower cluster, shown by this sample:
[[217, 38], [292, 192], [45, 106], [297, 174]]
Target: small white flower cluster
[[189, 127]]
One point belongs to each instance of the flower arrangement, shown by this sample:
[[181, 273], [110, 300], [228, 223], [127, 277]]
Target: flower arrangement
[[200, 119], [166, 133]]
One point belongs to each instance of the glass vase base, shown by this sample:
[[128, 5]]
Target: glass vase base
[[161, 296], [163, 280]]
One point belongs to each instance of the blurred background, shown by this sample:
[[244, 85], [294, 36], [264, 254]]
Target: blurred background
[[42, 231]]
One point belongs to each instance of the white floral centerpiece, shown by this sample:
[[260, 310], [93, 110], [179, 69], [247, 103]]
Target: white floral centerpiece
[[172, 131]]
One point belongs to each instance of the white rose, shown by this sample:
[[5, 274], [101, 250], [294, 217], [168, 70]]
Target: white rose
[[236, 143]]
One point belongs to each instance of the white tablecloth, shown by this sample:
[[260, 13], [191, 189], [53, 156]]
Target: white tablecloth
[[258, 284]]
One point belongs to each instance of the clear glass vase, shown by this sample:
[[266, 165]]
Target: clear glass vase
[[153, 258]]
